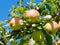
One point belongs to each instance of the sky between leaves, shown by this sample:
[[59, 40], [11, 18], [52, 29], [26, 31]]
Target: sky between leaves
[[5, 6]]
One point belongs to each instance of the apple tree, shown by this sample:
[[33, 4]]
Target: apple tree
[[32, 24]]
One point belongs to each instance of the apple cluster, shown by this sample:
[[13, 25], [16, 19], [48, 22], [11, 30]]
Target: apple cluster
[[32, 16]]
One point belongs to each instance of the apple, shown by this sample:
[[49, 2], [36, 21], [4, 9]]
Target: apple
[[59, 24], [15, 23], [51, 26], [38, 36], [33, 15], [58, 42]]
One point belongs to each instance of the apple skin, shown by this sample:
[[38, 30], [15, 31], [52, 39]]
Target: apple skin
[[51, 26], [15, 23], [38, 36], [58, 42], [32, 15], [59, 25]]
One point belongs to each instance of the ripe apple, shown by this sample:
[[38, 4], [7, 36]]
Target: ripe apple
[[33, 15], [58, 42], [51, 26], [38, 36], [59, 24], [15, 23]]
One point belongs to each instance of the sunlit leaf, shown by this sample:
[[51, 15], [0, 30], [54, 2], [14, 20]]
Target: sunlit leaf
[[15, 15], [32, 1], [21, 1], [1, 23], [1, 43], [25, 44], [13, 7], [53, 8], [20, 9]]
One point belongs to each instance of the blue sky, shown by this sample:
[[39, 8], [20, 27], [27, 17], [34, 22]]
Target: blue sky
[[5, 6]]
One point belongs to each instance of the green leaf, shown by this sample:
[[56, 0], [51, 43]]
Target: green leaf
[[48, 38], [1, 30], [53, 8], [1, 43], [21, 1], [13, 7], [43, 43], [1, 23], [15, 15], [44, 12], [20, 9], [25, 44], [13, 43], [21, 42], [32, 1]]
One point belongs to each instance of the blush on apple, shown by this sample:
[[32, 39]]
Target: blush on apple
[[58, 42], [15, 23], [59, 24], [51, 26], [33, 15]]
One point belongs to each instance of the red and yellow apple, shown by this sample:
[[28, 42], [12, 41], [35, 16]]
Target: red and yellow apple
[[51, 26], [15, 23], [33, 15], [59, 24], [58, 42]]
